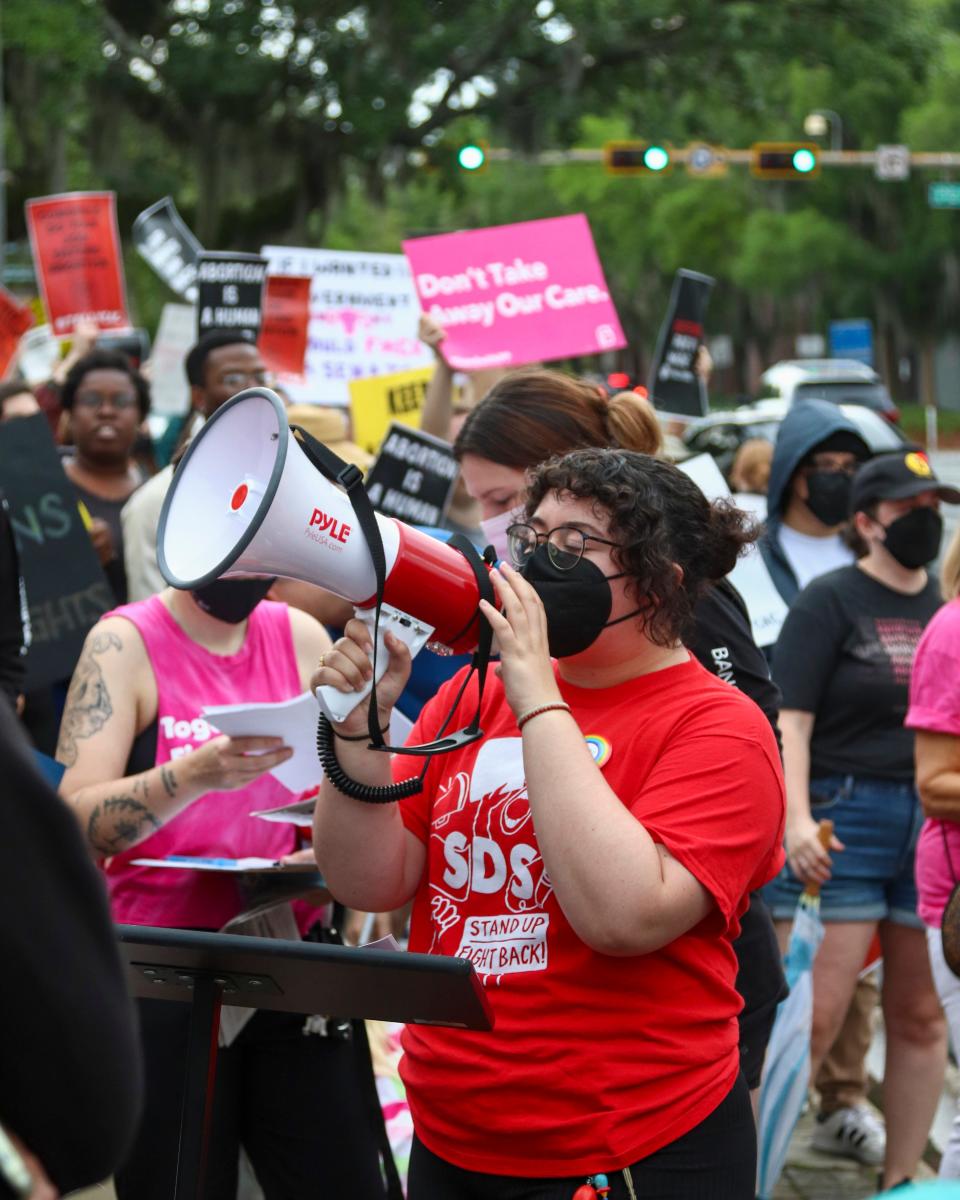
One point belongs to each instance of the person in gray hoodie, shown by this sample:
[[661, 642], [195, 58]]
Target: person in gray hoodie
[[817, 452]]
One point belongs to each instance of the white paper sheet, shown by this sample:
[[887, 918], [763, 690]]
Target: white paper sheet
[[294, 720]]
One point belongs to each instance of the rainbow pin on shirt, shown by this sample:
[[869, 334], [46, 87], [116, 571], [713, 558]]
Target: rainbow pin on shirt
[[600, 749]]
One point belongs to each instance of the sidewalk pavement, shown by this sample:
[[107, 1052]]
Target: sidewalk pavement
[[810, 1175]]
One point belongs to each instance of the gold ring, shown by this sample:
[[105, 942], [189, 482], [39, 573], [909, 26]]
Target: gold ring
[[320, 662]]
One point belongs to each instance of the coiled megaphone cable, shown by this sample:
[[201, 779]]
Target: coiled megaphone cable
[[349, 478]]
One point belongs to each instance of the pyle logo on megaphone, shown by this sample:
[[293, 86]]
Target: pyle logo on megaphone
[[268, 511], [329, 525]]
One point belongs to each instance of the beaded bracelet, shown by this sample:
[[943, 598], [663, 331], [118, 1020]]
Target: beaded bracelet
[[557, 706], [361, 737]]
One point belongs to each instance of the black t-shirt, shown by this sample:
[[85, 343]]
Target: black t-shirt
[[845, 654], [723, 642]]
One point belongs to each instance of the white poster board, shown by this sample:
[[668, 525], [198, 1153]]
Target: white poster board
[[176, 333], [363, 318], [750, 576]]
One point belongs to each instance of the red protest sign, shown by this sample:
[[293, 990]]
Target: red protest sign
[[76, 252], [15, 320], [283, 328]]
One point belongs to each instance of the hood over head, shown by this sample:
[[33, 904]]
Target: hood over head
[[805, 427]]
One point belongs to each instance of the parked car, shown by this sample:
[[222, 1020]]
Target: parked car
[[839, 380], [722, 433]]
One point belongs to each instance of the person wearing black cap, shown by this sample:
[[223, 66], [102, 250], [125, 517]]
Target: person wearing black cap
[[843, 664]]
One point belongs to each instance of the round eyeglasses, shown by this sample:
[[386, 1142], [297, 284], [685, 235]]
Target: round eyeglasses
[[565, 544]]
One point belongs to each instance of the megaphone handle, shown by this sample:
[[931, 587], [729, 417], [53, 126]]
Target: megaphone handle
[[337, 705]]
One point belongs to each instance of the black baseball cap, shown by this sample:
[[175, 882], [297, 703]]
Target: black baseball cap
[[897, 477]]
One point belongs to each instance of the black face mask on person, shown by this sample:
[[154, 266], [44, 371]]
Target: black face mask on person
[[231, 600], [914, 539], [577, 601], [828, 496]]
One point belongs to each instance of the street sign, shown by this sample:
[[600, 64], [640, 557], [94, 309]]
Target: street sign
[[943, 194], [706, 161], [852, 339], [892, 162]]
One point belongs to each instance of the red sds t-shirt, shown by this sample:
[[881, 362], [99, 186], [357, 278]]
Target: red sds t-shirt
[[595, 1061]]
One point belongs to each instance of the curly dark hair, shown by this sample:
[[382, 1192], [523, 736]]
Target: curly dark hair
[[104, 360], [662, 520]]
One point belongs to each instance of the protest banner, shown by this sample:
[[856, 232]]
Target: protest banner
[[673, 385], [376, 402], [750, 576], [363, 318], [163, 239], [229, 291], [176, 333], [283, 331], [66, 588], [15, 320], [413, 476], [515, 294], [76, 253]]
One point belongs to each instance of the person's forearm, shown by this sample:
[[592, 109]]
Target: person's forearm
[[796, 772], [604, 866], [940, 795], [438, 401], [361, 847], [122, 812]]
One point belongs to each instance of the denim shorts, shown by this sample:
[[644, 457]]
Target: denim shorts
[[872, 879]]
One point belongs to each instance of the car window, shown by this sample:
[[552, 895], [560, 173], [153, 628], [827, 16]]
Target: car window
[[872, 395]]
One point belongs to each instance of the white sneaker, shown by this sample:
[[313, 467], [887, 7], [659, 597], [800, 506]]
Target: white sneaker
[[852, 1133]]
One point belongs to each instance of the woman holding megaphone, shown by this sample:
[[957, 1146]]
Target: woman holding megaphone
[[591, 855]]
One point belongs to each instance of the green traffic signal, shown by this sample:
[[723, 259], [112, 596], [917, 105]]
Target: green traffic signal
[[804, 161], [656, 158], [471, 157]]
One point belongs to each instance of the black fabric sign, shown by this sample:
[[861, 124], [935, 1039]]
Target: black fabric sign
[[230, 291], [413, 476], [164, 241], [67, 590], [673, 385]]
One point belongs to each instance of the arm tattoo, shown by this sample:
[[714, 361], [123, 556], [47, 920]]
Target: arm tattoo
[[119, 823], [88, 701], [169, 781]]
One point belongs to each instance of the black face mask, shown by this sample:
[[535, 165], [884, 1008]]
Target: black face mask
[[231, 600], [828, 496], [914, 539], [577, 601]]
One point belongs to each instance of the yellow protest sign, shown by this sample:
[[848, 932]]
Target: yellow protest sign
[[380, 399]]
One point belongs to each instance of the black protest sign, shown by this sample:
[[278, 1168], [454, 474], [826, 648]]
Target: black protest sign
[[66, 588], [673, 384], [163, 239], [230, 291], [413, 476]]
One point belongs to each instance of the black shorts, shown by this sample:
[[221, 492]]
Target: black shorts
[[761, 983]]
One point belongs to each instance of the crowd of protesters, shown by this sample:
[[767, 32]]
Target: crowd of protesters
[[644, 803]]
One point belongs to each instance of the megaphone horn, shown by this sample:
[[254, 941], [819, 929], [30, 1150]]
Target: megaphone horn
[[245, 500]]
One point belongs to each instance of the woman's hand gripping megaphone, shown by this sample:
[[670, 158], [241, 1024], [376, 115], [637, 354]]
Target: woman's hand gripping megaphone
[[347, 668]]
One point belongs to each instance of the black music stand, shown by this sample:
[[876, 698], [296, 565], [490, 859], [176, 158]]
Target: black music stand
[[207, 970]]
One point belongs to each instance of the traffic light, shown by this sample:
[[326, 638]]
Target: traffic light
[[636, 158], [472, 157], [784, 160]]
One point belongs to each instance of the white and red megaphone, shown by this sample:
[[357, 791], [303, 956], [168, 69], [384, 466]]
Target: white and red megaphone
[[246, 500]]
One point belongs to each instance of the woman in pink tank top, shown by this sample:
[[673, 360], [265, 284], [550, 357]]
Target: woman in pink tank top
[[148, 777]]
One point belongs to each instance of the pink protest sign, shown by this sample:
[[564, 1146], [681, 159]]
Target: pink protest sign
[[515, 294]]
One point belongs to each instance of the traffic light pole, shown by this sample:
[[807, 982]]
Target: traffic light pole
[[923, 160]]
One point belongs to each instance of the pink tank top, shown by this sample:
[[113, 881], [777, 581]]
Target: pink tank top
[[217, 824]]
